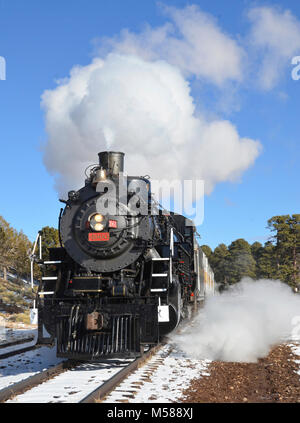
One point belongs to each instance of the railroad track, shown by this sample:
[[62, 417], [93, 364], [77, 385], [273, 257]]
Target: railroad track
[[68, 381], [28, 383], [64, 381], [12, 352], [99, 393], [18, 351], [16, 342]]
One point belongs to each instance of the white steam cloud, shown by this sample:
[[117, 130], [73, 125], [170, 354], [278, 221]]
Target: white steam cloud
[[136, 97], [191, 40], [242, 324], [145, 109]]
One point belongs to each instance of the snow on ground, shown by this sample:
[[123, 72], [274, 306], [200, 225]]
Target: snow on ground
[[162, 379], [15, 335], [73, 385], [19, 367], [295, 347], [2, 333], [8, 335]]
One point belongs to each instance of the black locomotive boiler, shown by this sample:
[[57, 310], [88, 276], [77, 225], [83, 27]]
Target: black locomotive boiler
[[126, 273]]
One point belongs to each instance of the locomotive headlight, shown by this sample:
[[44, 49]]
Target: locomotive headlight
[[95, 222], [98, 227], [98, 217]]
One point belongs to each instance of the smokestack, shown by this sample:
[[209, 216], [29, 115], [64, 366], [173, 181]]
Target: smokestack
[[112, 162]]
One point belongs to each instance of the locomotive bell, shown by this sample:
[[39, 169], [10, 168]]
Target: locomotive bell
[[100, 175], [112, 162]]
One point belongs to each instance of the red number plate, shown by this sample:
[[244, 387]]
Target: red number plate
[[98, 236], [112, 224]]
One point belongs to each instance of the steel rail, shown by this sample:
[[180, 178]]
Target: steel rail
[[19, 351], [16, 342], [99, 393], [32, 381], [96, 395]]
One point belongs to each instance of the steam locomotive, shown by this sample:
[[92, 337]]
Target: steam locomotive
[[127, 271]]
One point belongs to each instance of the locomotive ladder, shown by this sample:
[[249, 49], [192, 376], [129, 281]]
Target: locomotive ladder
[[48, 288], [49, 278], [48, 281], [165, 277], [154, 274], [40, 261]]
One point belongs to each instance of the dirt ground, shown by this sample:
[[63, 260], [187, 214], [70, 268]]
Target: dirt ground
[[270, 380]]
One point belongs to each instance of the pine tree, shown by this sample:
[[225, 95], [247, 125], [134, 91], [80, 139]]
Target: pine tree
[[266, 262], [219, 263], [240, 261], [207, 251], [286, 240], [279, 258], [20, 260], [295, 247], [8, 246], [14, 250], [50, 239], [257, 251]]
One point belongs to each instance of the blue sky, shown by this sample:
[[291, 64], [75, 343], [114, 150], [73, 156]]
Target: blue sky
[[42, 41]]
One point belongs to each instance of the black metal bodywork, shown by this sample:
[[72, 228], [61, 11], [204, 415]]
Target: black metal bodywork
[[102, 299]]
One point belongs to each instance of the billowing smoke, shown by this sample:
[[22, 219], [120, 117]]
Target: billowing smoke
[[243, 323], [145, 109]]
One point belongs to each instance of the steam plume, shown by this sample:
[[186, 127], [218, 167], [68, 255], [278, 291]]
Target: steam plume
[[243, 323], [145, 109]]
